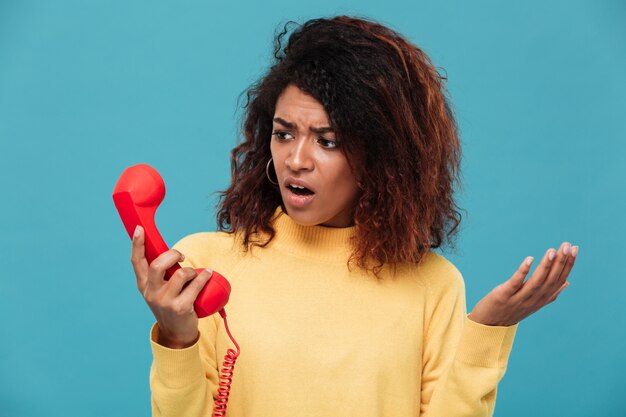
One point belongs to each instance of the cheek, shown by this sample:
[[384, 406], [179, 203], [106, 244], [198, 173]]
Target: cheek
[[344, 180], [277, 156]]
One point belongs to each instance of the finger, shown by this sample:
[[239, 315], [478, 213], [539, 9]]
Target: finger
[[190, 292], [517, 280], [138, 258], [556, 294], [156, 271], [552, 282], [178, 281], [569, 265], [532, 287]]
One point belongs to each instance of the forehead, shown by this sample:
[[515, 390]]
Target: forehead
[[295, 105]]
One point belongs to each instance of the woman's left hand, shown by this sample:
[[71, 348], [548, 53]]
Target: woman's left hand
[[514, 300]]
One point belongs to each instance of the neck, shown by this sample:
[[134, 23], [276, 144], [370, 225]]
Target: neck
[[313, 242]]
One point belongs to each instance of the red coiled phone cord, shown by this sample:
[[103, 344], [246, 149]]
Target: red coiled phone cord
[[226, 375]]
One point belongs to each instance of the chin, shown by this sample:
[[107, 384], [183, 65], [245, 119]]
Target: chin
[[311, 218], [304, 218]]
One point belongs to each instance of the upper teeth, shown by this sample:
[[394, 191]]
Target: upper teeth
[[296, 186]]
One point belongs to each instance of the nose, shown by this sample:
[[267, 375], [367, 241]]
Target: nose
[[300, 155]]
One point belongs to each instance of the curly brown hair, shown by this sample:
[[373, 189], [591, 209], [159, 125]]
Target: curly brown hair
[[387, 104]]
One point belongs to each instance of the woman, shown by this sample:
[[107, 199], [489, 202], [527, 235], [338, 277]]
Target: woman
[[341, 188]]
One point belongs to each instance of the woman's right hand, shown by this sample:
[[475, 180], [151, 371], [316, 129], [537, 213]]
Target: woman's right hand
[[171, 301]]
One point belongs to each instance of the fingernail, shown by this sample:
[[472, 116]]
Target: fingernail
[[529, 260], [566, 249], [574, 251], [210, 271], [136, 232], [182, 257], [551, 255]]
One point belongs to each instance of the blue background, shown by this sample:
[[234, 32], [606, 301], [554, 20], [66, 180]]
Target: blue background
[[88, 88]]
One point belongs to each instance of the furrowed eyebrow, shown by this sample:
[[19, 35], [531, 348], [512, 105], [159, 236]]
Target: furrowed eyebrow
[[319, 130]]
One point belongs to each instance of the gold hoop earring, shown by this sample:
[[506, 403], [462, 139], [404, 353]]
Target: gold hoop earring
[[267, 173]]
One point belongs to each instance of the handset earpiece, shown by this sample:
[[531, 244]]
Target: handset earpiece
[[137, 195]]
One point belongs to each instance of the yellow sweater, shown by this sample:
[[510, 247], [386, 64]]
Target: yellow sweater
[[319, 340]]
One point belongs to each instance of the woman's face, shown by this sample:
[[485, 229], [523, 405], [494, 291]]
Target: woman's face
[[306, 154]]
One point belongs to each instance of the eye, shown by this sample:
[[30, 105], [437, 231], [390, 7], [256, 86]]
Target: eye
[[281, 135], [327, 143]]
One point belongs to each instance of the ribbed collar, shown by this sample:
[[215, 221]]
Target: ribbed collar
[[312, 242]]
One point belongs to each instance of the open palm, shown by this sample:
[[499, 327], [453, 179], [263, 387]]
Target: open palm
[[514, 300]]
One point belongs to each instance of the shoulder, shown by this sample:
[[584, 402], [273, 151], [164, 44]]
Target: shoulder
[[440, 275], [204, 240], [206, 248]]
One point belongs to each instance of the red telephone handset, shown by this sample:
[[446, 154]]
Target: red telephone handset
[[137, 195]]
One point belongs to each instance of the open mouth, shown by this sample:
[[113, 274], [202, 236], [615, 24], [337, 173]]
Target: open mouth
[[297, 190]]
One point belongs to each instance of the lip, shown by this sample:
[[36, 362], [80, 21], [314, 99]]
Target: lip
[[299, 201], [297, 181]]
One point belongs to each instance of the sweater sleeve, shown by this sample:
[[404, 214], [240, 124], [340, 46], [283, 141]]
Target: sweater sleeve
[[463, 361], [184, 382]]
